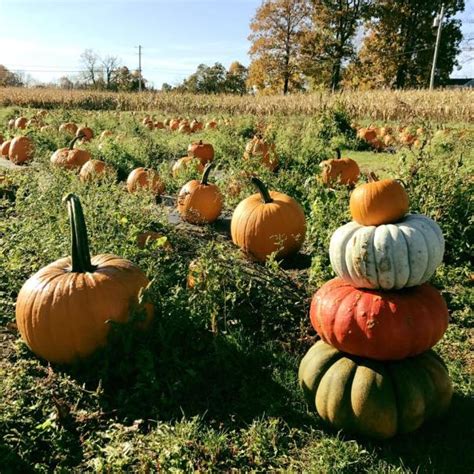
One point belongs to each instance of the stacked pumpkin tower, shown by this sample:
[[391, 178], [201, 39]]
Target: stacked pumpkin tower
[[373, 372]]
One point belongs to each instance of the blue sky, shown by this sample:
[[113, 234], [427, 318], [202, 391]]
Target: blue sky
[[46, 37]]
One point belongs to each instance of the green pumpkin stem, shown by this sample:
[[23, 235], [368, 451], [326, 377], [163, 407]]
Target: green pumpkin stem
[[205, 174], [338, 153], [262, 189], [74, 140], [372, 177], [80, 254]]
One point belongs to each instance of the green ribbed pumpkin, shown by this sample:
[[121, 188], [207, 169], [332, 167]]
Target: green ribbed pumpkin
[[372, 398]]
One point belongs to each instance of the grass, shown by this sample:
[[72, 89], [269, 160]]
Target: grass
[[212, 385]]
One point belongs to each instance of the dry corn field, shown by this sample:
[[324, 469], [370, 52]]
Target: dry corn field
[[454, 105]]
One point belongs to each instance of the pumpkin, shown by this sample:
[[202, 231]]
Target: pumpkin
[[200, 202], [21, 150], [145, 238], [196, 126], [68, 127], [32, 123], [259, 149], [85, 133], [340, 170], [268, 222], [70, 157], [145, 178], [371, 398], [203, 151], [211, 125], [391, 256], [11, 124], [150, 125], [382, 325], [93, 170], [106, 134], [159, 125], [21, 122], [184, 127], [2, 139], [379, 202], [62, 311], [367, 134], [389, 140], [46, 128], [184, 163], [5, 148], [146, 120], [174, 124]]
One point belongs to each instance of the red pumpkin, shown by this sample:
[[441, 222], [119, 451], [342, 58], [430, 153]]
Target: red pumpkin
[[381, 325]]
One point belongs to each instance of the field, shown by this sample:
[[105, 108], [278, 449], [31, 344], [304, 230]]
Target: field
[[212, 384]]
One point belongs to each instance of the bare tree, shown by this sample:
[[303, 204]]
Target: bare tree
[[110, 65], [90, 64]]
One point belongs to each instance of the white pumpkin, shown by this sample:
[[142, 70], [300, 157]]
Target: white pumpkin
[[389, 256]]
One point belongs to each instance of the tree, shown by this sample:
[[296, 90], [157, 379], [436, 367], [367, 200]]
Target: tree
[[65, 83], [109, 68], [277, 30], [8, 78], [236, 79], [398, 48], [330, 41]]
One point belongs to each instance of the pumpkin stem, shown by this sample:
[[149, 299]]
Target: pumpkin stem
[[262, 189], [205, 174], [74, 140], [80, 254], [200, 142], [338, 153], [372, 177]]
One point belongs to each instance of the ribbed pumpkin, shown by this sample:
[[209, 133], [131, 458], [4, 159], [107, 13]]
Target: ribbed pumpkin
[[203, 151], [379, 202], [145, 178], [340, 170], [258, 149], [381, 325], [390, 256], [21, 150], [185, 163], [68, 127], [62, 311], [21, 122], [94, 170], [5, 148], [70, 158], [268, 222], [371, 398]]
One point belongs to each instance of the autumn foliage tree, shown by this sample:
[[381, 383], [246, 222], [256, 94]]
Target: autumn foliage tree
[[398, 47], [276, 35]]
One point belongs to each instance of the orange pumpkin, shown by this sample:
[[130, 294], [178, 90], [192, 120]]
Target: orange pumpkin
[[184, 127], [21, 150], [185, 163], [68, 127], [93, 170], [21, 122], [62, 311], [211, 125], [5, 148], [268, 222], [259, 149], [159, 125], [2, 139], [85, 133], [174, 124], [145, 178], [340, 170], [196, 126], [70, 158], [200, 202], [378, 202], [203, 151]]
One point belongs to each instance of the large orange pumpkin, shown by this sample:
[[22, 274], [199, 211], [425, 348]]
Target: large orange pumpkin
[[62, 311], [21, 150], [259, 149], [378, 202], [268, 222], [203, 151], [340, 170], [382, 325], [70, 158], [200, 202], [145, 178]]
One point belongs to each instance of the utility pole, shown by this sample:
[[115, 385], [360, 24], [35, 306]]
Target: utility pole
[[139, 68], [438, 22]]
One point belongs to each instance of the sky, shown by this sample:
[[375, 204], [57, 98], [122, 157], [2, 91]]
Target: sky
[[45, 38]]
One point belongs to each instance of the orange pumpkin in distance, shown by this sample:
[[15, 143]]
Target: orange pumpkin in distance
[[259, 149], [268, 222], [85, 133], [145, 178], [203, 151], [93, 170], [340, 170], [62, 311], [21, 122], [21, 150], [68, 127], [70, 158], [379, 202], [200, 202]]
